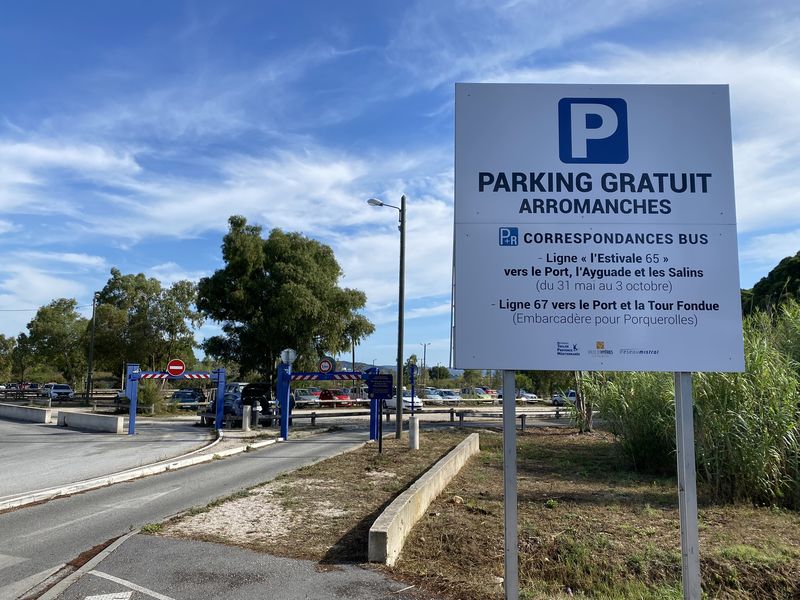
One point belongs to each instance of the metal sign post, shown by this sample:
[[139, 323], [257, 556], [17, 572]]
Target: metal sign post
[[687, 487], [132, 391], [510, 486]]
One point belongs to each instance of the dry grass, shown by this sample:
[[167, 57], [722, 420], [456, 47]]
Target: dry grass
[[587, 526], [322, 512]]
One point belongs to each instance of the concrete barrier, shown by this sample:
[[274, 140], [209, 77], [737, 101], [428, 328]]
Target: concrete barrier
[[389, 531], [91, 422], [25, 413]]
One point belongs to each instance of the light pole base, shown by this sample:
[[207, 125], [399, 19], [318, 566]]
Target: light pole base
[[413, 432]]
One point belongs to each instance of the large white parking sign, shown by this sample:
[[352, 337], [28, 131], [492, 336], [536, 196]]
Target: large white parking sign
[[595, 229]]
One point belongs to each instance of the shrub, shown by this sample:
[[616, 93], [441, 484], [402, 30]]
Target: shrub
[[150, 396], [639, 409], [747, 425]]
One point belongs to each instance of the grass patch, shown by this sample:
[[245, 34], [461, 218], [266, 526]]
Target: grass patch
[[593, 529], [151, 528]]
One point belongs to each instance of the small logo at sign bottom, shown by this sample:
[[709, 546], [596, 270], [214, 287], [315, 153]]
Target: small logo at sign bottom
[[567, 349]]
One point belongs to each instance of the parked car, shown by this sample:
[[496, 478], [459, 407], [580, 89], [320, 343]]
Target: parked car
[[59, 391], [528, 397], [490, 391], [450, 396], [343, 397], [305, 398], [560, 398], [433, 396], [476, 392], [407, 402], [188, 398]]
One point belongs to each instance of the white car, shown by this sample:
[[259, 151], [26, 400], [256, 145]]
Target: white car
[[58, 391], [433, 397], [305, 398], [450, 397], [407, 401], [529, 397]]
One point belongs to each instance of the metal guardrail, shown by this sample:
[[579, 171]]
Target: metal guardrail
[[462, 414]]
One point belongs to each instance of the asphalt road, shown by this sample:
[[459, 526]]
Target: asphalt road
[[146, 567], [40, 538], [35, 456]]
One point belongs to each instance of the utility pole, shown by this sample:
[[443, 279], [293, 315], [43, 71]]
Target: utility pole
[[90, 374], [424, 361]]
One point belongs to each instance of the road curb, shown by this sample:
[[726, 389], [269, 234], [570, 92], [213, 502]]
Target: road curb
[[62, 585], [185, 460]]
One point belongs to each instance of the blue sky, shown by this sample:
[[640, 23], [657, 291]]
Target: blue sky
[[130, 131]]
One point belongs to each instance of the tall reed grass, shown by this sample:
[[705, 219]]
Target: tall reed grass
[[747, 425]]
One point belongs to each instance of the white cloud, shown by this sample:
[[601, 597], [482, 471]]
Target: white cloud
[[23, 289], [83, 261], [768, 250], [170, 272], [440, 43], [7, 227]]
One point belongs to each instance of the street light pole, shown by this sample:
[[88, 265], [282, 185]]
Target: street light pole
[[90, 374], [400, 303]]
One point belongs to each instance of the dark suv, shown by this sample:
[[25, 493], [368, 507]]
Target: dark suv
[[262, 393]]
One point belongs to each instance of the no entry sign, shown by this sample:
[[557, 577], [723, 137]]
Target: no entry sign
[[325, 365], [176, 367]]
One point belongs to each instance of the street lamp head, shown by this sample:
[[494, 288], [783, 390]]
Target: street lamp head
[[374, 202]]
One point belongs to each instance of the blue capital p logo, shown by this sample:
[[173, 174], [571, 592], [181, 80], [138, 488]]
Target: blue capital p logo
[[593, 130]]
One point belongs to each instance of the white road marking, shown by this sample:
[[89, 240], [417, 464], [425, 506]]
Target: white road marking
[[6, 560], [113, 508], [130, 584], [115, 596]]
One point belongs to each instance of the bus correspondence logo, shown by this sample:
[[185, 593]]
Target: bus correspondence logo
[[593, 130], [509, 236]]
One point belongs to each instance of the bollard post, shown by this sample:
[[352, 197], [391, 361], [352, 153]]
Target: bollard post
[[452, 415], [246, 413], [461, 419], [413, 432], [522, 418], [313, 418]]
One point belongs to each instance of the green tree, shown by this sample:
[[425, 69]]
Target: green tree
[[438, 374], [275, 293], [471, 377], [358, 328], [780, 284], [7, 345], [58, 338], [139, 321], [22, 358]]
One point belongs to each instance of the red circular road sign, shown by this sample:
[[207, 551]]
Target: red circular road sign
[[325, 365], [176, 367]]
